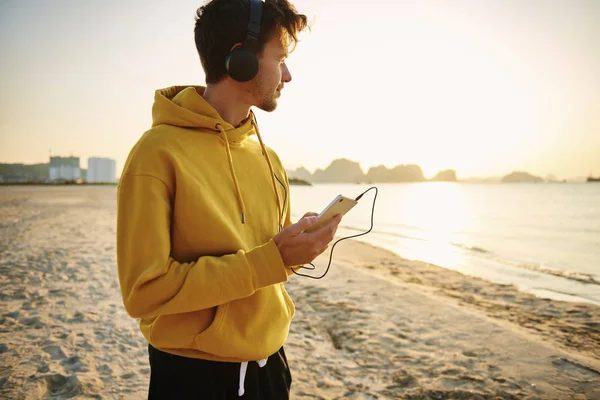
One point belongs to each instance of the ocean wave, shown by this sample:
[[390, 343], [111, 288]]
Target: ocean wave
[[571, 275], [586, 299], [470, 248]]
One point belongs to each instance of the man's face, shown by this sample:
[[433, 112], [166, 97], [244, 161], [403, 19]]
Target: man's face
[[272, 74]]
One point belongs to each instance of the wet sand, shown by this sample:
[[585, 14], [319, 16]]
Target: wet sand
[[376, 326]]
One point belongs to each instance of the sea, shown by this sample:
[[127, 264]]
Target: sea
[[542, 238]]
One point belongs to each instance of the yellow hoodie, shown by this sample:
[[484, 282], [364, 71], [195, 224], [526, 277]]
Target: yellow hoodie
[[198, 206]]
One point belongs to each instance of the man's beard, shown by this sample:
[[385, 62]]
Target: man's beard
[[268, 105], [267, 100]]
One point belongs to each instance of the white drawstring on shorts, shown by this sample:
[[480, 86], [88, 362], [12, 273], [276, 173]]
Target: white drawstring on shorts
[[243, 368]]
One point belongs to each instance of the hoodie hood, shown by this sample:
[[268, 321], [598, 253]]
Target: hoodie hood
[[184, 106]]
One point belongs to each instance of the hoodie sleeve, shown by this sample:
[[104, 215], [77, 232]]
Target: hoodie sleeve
[[153, 283]]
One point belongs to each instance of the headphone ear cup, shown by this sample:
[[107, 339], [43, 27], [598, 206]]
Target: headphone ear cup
[[241, 64]]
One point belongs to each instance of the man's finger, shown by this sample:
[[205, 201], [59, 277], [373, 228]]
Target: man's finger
[[335, 223], [304, 224], [335, 220], [310, 214], [326, 229]]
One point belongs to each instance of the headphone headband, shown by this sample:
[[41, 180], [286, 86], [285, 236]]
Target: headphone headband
[[253, 31]]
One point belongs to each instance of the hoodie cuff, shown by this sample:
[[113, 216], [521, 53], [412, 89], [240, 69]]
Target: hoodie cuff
[[266, 265]]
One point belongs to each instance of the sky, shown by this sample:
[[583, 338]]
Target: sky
[[482, 87]]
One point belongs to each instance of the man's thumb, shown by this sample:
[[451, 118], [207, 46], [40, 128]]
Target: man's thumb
[[306, 222]]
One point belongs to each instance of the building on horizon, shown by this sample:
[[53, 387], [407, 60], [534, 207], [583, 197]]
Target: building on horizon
[[64, 169], [101, 170]]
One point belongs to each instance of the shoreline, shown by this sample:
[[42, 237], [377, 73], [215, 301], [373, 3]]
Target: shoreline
[[504, 302], [564, 287]]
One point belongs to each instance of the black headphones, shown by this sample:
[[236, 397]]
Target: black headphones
[[242, 63]]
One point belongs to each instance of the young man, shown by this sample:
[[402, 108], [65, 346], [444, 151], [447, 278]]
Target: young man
[[204, 236]]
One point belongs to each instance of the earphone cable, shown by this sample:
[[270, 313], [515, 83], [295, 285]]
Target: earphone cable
[[339, 240]]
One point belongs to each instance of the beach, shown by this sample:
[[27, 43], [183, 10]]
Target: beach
[[377, 326]]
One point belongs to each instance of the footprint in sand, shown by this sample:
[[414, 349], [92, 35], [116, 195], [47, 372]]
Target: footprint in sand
[[105, 369], [43, 368], [55, 352], [402, 379], [13, 315], [574, 368], [73, 364], [61, 386], [128, 375], [33, 322]]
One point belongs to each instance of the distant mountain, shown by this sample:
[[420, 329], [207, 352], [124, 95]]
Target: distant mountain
[[347, 171], [448, 175], [521, 177], [488, 179], [300, 173], [379, 174], [340, 170], [577, 179], [301, 182], [400, 173]]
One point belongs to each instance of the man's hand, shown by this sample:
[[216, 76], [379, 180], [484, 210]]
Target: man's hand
[[298, 247]]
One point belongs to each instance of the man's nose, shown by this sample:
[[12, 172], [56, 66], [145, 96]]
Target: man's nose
[[285, 73]]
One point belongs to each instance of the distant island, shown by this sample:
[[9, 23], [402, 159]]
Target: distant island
[[342, 170], [448, 175], [346, 171], [593, 179], [301, 182], [521, 177]]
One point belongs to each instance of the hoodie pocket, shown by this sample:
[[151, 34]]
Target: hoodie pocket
[[252, 328], [180, 331], [215, 328]]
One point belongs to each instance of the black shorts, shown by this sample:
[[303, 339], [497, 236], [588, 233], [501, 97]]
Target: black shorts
[[176, 377]]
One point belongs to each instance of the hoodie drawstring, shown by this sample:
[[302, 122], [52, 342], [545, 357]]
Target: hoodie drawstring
[[264, 150], [243, 369], [235, 181]]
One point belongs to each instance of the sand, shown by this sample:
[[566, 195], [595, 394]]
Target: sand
[[376, 326]]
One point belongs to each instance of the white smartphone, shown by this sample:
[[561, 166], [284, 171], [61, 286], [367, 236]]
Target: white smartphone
[[339, 205]]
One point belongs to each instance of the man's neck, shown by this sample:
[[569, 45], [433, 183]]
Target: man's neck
[[228, 102]]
